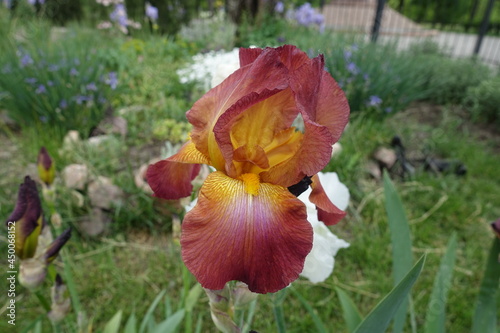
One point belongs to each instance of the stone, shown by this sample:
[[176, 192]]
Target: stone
[[385, 156], [374, 170], [75, 176], [98, 140], [103, 193], [95, 224]]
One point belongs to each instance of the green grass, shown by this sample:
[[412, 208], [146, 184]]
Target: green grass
[[127, 267]]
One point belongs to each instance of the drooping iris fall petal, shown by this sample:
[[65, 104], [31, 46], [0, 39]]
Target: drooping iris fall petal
[[260, 238], [28, 219]]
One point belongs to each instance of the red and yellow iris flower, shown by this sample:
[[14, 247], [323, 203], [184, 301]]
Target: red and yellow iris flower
[[247, 225]]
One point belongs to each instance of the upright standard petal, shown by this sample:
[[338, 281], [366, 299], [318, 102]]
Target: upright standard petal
[[171, 178], [247, 86], [245, 230]]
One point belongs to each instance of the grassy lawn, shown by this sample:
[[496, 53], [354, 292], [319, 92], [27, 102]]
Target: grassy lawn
[[138, 256]]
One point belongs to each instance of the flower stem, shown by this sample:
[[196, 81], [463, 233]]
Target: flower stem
[[278, 310]]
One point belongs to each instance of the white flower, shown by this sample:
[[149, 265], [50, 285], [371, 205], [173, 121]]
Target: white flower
[[320, 261]]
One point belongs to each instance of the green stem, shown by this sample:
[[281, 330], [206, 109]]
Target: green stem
[[68, 276], [278, 310]]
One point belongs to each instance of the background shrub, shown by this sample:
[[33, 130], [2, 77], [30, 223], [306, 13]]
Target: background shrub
[[483, 101]]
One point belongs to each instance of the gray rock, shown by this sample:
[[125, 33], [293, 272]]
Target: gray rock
[[103, 193], [75, 176]]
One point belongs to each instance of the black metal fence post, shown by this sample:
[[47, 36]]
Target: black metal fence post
[[484, 26], [378, 20]]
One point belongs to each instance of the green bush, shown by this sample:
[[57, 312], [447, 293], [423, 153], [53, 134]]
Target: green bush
[[483, 101], [450, 79]]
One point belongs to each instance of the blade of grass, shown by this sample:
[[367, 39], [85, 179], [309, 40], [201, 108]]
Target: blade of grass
[[485, 320], [436, 313], [170, 324], [149, 313], [320, 327], [379, 318], [351, 313], [402, 258]]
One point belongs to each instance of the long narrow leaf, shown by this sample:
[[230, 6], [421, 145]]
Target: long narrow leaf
[[170, 324], [351, 313], [192, 297], [320, 327], [379, 318], [114, 324], [149, 313], [485, 318], [402, 258], [131, 325], [436, 314]]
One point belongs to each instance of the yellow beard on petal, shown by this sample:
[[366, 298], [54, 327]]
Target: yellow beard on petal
[[252, 182]]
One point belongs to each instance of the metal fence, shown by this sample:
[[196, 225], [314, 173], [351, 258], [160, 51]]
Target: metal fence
[[382, 23]]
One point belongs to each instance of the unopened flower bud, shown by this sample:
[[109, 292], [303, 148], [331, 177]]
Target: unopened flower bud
[[61, 303], [32, 273], [46, 168], [28, 219]]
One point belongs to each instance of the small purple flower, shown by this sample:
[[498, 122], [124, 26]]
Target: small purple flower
[[50, 83], [101, 100], [151, 12], [352, 68], [76, 61], [112, 80], [63, 104], [73, 72], [280, 7], [80, 99], [91, 86], [30, 80], [41, 89], [43, 119], [366, 77], [347, 54], [26, 60], [119, 15], [374, 101], [53, 68], [388, 109], [281, 39]]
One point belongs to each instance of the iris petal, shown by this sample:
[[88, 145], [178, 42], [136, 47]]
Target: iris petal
[[327, 211], [171, 178], [258, 236]]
